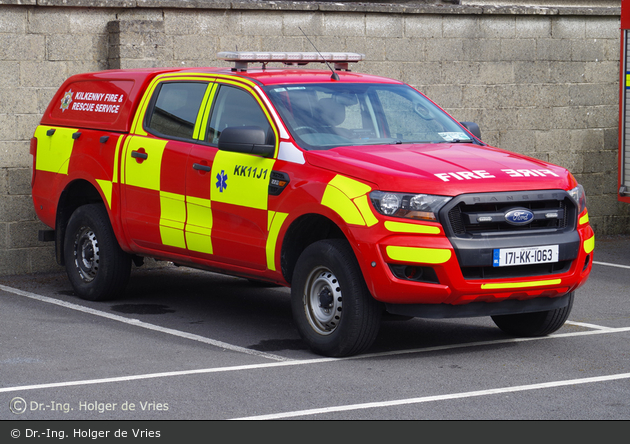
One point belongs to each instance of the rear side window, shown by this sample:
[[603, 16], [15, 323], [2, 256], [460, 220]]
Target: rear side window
[[176, 108]]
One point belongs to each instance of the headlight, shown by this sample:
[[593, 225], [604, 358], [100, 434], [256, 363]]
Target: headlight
[[579, 196], [412, 206]]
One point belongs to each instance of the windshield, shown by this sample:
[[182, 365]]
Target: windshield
[[323, 116]]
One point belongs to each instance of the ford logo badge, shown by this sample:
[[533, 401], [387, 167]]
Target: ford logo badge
[[519, 216]]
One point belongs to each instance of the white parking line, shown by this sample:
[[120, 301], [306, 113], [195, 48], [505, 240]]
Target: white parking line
[[281, 361], [371, 405], [141, 324], [495, 342], [586, 325], [302, 362], [612, 265], [163, 375]]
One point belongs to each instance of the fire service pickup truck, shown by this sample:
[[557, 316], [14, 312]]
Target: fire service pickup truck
[[356, 191]]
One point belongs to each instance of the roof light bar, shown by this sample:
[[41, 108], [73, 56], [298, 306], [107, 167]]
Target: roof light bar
[[241, 59]]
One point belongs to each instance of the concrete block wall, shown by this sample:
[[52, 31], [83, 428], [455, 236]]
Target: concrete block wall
[[538, 81]]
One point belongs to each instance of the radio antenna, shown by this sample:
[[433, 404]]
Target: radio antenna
[[334, 74]]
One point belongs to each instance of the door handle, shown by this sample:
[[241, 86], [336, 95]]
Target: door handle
[[200, 167], [139, 155]]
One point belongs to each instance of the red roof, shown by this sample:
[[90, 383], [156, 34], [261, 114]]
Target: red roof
[[108, 100]]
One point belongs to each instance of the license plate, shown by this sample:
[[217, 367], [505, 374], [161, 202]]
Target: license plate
[[506, 257]]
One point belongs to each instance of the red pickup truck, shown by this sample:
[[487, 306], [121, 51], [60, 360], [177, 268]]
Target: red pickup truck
[[356, 191]]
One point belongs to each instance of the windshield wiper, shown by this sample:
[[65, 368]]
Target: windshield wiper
[[457, 141]]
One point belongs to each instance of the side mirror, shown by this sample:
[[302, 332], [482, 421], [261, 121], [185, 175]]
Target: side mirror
[[473, 128], [246, 139]]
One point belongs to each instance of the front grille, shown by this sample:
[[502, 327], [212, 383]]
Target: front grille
[[471, 217], [516, 271], [477, 225], [456, 221]]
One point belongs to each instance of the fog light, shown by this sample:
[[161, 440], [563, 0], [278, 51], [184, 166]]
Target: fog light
[[414, 273]]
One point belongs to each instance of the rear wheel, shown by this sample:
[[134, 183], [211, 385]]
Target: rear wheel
[[540, 323], [97, 267], [335, 313]]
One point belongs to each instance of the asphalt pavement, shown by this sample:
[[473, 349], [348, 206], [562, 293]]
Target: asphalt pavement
[[183, 344]]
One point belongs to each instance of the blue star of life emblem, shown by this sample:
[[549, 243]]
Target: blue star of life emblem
[[222, 181]]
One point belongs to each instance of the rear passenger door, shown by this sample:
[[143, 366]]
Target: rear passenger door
[[230, 188], [153, 167]]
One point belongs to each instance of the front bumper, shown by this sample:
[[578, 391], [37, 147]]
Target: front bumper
[[475, 309], [460, 272]]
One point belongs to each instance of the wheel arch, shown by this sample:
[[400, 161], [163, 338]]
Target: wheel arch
[[77, 193], [301, 233]]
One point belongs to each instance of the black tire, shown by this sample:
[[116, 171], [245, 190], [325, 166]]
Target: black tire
[[97, 267], [540, 323], [324, 272]]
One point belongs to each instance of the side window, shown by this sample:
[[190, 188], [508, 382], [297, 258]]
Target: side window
[[235, 107], [175, 109]]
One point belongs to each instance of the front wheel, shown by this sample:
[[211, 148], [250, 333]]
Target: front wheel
[[97, 267], [540, 323], [335, 313]]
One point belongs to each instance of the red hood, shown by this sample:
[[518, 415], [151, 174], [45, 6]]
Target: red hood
[[438, 168]]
